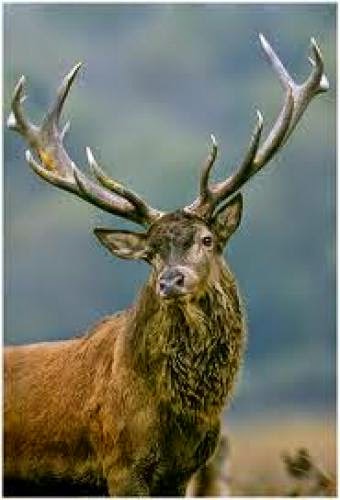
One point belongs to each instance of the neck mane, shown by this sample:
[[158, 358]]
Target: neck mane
[[189, 351]]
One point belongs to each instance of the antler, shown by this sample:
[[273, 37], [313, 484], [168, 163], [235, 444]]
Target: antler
[[57, 168], [297, 98]]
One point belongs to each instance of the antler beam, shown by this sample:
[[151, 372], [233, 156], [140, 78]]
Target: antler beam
[[297, 98], [57, 168]]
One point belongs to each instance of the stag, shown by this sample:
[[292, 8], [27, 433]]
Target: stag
[[133, 407]]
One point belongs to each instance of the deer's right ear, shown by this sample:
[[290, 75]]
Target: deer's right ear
[[124, 244]]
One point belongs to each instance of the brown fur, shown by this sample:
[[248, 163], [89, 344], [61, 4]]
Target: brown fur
[[136, 402]]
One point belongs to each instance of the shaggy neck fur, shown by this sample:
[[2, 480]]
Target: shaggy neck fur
[[189, 351]]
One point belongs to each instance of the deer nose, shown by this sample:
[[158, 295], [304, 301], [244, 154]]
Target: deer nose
[[171, 283]]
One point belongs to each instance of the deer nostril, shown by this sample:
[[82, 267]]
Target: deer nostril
[[179, 280]]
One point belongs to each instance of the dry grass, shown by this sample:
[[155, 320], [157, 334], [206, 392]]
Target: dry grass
[[284, 457]]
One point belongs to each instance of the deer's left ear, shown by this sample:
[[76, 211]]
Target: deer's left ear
[[123, 244], [227, 219]]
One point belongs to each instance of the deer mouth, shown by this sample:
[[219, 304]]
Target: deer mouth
[[172, 294]]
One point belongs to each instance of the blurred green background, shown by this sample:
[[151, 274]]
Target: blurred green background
[[157, 80]]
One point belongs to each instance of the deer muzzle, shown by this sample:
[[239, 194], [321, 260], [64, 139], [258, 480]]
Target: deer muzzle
[[176, 281]]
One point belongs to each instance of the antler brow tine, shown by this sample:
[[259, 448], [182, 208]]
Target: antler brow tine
[[116, 187]]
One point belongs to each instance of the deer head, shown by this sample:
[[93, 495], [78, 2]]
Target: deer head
[[182, 246]]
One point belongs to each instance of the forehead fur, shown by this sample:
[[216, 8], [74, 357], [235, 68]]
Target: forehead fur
[[176, 225]]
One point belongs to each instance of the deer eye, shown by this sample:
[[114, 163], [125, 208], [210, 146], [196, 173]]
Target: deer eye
[[207, 241]]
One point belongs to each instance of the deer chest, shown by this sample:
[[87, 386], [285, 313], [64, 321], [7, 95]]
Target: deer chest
[[182, 447]]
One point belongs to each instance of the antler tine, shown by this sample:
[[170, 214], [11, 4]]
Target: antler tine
[[302, 93], [50, 176], [210, 195], [57, 168], [277, 134], [208, 164], [298, 96], [83, 187], [232, 183], [53, 115], [317, 77], [16, 119], [204, 199], [116, 187], [282, 73], [95, 194]]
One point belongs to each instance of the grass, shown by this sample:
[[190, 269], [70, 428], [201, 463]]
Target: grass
[[283, 457]]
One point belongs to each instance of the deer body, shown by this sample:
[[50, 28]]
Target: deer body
[[136, 402], [133, 408]]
